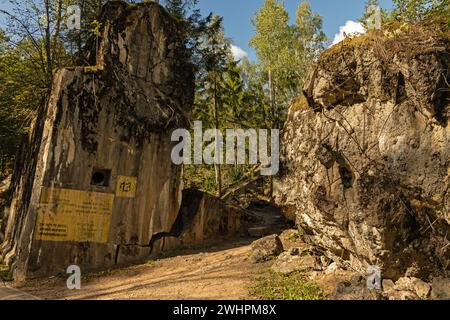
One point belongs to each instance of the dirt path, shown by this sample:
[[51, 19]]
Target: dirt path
[[220, 273]]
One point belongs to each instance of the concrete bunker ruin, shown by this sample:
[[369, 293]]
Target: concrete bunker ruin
[[96, 183]]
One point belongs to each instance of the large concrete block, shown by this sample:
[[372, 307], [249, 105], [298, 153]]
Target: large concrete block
[[96, 181]]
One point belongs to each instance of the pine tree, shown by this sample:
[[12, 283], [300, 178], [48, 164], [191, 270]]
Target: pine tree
[[232, 88], [213, 51], [179, 8], [369, 19]]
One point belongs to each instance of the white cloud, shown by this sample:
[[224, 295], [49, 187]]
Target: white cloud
[[350, 27], [238, 53]]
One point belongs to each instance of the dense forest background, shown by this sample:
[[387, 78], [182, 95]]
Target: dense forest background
[[36, 40]]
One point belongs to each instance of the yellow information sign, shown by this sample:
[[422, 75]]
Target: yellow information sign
[[74, 215], [126, 187]]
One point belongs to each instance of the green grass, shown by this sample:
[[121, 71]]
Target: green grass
[[277, 286], [98, 274]]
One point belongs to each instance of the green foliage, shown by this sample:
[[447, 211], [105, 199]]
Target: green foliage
[[255, 113], [192, 25], [236, 173], [179, 8], [273, 43], [214, 49], [81, 42], [234, 96], [285, 52], [410, 10], [370, 11], [416, 10], [310, 40], [271, 35], [30, 50], [22, 89], [6, 273], [239, 94], [200, 177], [277, 286]]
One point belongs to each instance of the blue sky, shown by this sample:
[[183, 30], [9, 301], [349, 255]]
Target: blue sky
[[237, 15]]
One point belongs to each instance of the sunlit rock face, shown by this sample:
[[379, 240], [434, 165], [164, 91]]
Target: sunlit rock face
[[366, 153], [96, 182]]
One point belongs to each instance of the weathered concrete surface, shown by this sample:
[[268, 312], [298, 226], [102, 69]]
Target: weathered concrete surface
[[366, 155], [204, 219], [101, 124]]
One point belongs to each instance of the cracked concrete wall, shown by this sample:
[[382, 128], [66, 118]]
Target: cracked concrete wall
[[101, 150], [203, 220]]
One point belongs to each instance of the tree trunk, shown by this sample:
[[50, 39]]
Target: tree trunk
[[58, 21], [217, 167], [48, 51], [272, 109], [80, 35]]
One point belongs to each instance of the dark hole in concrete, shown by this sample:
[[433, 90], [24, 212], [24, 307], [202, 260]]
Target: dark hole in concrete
[[401, 89], [116, 255], [442, 97], [346, 176], [100, 177], [326, 155], [442, 106]]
